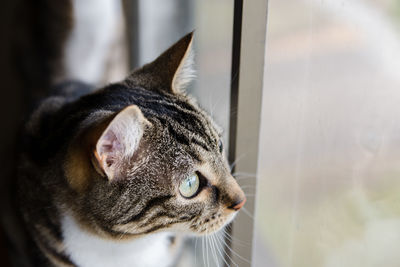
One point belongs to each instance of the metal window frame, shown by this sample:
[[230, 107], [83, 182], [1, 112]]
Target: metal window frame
[[249, 40]]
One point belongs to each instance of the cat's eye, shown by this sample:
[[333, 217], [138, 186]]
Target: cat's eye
[[220, 146], [189, 186]]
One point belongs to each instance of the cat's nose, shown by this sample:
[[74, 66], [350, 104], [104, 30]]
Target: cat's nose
[[235, 198], [238, 204]]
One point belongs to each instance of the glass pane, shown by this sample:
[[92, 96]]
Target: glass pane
[[329, 166], [161, 23]]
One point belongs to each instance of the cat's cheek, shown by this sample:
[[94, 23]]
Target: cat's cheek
[[226, 218], [229, 215]]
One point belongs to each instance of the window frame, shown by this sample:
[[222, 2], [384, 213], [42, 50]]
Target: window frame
[[247, 75]]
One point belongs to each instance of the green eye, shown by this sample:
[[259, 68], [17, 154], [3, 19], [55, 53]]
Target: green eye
[[190, 186]]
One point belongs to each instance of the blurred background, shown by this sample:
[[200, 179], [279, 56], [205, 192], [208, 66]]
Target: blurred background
[[329, 165], [328, 178]]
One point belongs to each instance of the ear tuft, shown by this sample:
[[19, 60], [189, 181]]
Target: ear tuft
[[185, 72], [120, 140], [170, 72]]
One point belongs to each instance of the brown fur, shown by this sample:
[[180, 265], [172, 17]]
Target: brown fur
[[77, 168]]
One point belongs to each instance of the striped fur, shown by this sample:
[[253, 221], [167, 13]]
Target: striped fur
[[60, 177]]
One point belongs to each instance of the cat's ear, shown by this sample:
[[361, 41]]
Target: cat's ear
[[120, 140], [170, 72]]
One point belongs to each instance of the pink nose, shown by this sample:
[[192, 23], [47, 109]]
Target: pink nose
[[238, 206]]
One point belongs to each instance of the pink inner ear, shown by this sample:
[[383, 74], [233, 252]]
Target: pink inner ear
[[120, 140], [109, 148], [110, 143]]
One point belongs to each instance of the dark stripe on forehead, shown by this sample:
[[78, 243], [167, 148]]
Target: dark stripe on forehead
[[181, 138], [184, 139], [181, 112], [185, 122], [181, 135]]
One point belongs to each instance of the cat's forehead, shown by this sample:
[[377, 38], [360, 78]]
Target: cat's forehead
[[182, 119]]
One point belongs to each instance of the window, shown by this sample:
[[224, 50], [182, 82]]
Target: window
[[328, 187]]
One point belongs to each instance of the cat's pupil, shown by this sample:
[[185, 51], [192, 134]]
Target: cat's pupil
[[220, 146]]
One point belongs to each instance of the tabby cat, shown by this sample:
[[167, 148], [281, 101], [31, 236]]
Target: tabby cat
[[114, 177]]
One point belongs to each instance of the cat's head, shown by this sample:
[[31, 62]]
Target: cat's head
[[158, 163]]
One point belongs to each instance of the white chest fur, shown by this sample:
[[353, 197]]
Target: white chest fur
[[87, 250]]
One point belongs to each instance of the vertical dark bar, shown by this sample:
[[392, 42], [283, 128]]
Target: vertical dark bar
[[237, 36], [131, 10], [236, 41]]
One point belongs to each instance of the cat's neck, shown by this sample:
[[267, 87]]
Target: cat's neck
[[88, 250]]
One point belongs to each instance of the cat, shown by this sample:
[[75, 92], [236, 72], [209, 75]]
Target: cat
[[116, 176]]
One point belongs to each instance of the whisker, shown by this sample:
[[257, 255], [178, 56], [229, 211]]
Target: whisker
[[247, 186], [208, 260], [247, 213], [221, 241], [217, 245], [235, 253], [213, 250], [123, 234], [234, 239], [232, 166], [213, 107], [245, 178], [202, 250], [244, 174], [195, 251]]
